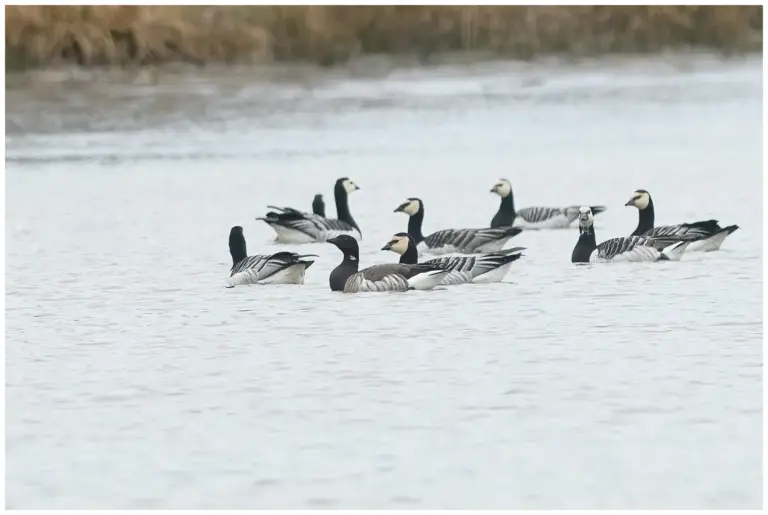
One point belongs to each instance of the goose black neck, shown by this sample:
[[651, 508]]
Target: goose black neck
[[411, 255], [237, 248], [585, 246], [506, 213], [507, 205], [645, 219], [414, 225], [341, 273], [342, 205]]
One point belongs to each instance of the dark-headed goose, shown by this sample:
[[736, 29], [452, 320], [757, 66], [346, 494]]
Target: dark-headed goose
[[379, 278]]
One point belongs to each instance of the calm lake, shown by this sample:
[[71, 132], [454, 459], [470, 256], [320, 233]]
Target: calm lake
[[134, 379]]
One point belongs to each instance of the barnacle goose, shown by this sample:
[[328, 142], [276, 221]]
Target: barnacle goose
[[712, 235], [464, 241], [379, 278], [485, 268], [532, 217], [294, 226], [278, 268], [631, 248], [318, 205]]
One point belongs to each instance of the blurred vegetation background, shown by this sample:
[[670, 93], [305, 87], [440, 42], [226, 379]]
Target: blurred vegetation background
[[38, 36]]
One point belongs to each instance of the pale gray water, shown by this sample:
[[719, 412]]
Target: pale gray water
[[134, 379]]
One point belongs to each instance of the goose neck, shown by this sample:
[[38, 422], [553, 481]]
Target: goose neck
[[411, 255], [414, 226], [645, 219]]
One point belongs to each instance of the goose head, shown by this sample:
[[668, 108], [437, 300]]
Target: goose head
[[586, 220], [502, 188], [347, 185], [347, 245], [640, 199], [410, 207], [398, 244]]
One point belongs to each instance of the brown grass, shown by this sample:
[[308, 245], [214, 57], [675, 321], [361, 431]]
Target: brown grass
[[136, 35]]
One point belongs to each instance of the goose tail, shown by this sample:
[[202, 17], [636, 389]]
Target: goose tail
[[301, 259], [270, 217], [715, 241], [493, 267], [513, 254]]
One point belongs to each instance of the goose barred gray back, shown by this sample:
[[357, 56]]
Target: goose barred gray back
[[711, 235], [464, 241], [294, 226], [533, 217], [632, 248], [278, 268], [484, 268]]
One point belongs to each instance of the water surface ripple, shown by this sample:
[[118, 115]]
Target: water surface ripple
[[135, 380]]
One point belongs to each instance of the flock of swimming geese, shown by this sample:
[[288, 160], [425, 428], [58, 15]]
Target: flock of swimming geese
[[479, 257]]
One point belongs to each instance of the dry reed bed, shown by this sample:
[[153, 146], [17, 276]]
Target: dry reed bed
[[135, 35]]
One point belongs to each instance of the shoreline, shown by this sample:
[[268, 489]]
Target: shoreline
[[43, 37]]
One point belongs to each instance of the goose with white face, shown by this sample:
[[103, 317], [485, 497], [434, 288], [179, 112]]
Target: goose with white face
[[640, 199], [629, 249], [294, 226], [537, 217], [350, 186], [708, 233], [410, 207], [585, 217], [502, 188], [483, 268], [448, 241], [398, 244]]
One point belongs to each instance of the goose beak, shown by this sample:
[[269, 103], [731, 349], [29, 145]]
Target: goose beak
[[333, 241], [493, 190], [401, 208], [388, 246], [630, 202]]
